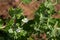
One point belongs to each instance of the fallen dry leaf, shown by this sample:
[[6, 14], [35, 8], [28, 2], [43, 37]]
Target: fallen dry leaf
[[29, 9]]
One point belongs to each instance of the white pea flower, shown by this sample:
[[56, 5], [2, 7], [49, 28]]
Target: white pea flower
[[18, 30], [10, 30], [25, 20]]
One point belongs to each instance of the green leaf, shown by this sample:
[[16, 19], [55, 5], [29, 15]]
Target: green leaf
[[26, 1]]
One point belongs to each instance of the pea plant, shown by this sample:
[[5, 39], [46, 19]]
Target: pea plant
[[43, 26]]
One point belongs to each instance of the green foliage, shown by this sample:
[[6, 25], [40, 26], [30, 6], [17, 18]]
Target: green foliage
[[26, 1], [20, 28]]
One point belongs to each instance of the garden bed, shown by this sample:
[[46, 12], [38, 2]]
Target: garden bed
[[29, 20]]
